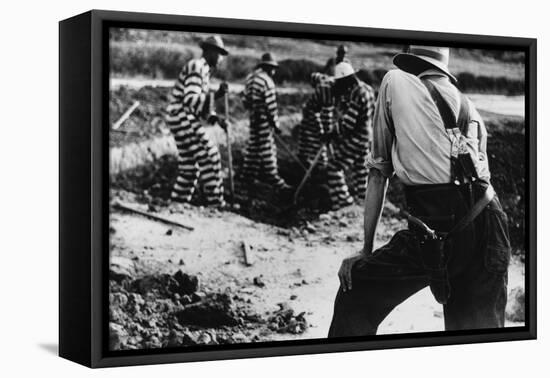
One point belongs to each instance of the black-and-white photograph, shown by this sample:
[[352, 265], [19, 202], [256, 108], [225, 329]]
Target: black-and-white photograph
[[273, 189]]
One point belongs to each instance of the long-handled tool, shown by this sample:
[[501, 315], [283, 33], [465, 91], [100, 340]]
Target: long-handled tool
[[126, 115], [228, 142], [145, 214], [289, 151], [308, 173]]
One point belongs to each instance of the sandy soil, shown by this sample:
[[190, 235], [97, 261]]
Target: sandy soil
[[297, 266]]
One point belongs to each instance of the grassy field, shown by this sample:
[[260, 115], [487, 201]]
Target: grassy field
[[161, 54]]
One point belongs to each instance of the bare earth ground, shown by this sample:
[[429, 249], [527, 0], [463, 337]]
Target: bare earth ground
[[297, 265]]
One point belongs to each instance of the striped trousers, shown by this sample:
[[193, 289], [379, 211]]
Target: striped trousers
[[260, 159], [309, 141], [350, 155], [199, 160]]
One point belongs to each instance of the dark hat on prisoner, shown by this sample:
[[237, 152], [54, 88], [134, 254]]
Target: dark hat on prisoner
[[214, 42], [420, 58], [342, 49], [268, 61]]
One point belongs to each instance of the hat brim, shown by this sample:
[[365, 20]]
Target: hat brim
[[415, 64], [221, 50], [344, 78], [269, 64]]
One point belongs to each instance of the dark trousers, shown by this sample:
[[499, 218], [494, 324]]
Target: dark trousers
[[477, 266]]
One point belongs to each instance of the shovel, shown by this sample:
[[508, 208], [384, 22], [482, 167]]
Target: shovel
[[289, 151], [308, 173], [229, 154]]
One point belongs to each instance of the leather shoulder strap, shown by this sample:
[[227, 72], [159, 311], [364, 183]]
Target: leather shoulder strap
[[474, 211]]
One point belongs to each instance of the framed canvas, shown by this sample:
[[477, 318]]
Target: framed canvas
[[234, 188]]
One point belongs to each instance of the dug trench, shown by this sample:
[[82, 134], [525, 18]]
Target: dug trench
[[171, 287]]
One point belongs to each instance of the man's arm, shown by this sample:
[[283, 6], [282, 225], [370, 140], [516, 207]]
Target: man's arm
[[374, 203], [270, 100], [380, 169]]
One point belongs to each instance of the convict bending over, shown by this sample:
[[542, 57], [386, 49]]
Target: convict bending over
[[431, 136], [317, 119], [260, 160]]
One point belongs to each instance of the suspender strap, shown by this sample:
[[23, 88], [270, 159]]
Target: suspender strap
[[445, 111]]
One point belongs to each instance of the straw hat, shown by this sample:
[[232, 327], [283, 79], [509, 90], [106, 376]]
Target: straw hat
[[342, 70], [214, 42], [421, 58]]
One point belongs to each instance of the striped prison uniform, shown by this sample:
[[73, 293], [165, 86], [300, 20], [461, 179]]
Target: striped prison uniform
[[198, 158], [260, 159], [317, 119], [351, 149]]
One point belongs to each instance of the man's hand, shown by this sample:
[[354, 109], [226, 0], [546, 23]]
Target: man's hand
[[329, 137], [275, 126], [222, 89], [212, 119], [344, 274], [223, 123]]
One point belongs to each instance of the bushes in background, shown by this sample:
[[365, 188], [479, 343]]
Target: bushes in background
[[165, 61]]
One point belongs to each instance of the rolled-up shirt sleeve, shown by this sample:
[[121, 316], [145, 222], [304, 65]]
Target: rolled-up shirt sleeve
[[482, 164], [382, 133]]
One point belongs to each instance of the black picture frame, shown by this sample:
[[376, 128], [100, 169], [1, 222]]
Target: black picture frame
[[84, 183]]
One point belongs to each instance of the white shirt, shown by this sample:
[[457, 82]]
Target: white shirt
[[409, 137]]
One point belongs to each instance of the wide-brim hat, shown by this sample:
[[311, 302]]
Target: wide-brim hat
[[214, 42], [268, 60], [420, 58]]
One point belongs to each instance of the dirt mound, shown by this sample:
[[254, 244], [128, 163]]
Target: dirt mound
[[168, 310], [285, 321], [213, 310], [166, 285]]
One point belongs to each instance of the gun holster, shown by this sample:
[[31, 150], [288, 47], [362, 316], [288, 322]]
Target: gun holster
[[434, 253]]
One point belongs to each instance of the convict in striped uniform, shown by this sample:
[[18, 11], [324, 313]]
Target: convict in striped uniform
[[317, 119], [260, 160], [355, 103], [198, 157]]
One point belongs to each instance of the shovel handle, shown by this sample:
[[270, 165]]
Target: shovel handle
[[228, 142], [308, 173]]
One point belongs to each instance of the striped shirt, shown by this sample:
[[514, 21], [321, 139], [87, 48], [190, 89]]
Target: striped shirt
[[322, 100], [409, 136], [260, 96], [322, 90], [191, 87], [358, 108]]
